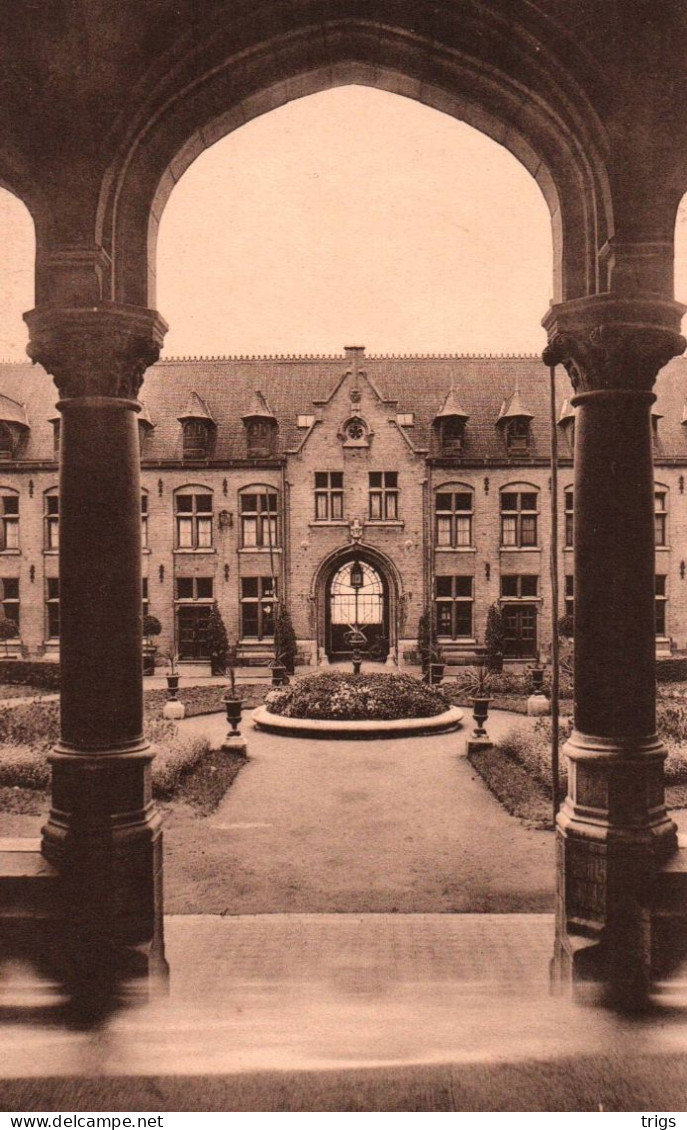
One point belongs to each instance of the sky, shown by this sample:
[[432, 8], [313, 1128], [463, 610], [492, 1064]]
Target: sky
[[350, 217]]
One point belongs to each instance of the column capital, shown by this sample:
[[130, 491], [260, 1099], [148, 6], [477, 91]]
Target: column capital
[[613, 343], [96, 351]]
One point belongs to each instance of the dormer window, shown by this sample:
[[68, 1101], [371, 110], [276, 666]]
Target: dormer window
[[449, 424], [6, 442], [452, 432], [514, 420], [518, 436], [14, 425], [198, 429], [261, 427], [145, 427], [196, 439]]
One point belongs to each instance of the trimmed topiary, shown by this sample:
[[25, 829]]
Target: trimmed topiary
[[494, 638], [340, 696], [285, 649], [218, 641]]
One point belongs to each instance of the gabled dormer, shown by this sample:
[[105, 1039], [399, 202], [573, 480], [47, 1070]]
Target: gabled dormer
[[145, 426], [198, 429], [261, 426], [514, 421], [14, 426], [56, 422], [449, 425], [566, 423]]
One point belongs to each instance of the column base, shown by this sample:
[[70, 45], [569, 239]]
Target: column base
[[613, 838], [104, 840]]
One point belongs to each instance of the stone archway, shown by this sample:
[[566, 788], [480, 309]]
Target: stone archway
[[379, 607]]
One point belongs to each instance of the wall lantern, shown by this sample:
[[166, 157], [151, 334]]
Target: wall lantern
[[487, 571], [681, 484], [226, 572], [161, 573], [160, 487], [225, 487], [682, 570], [32, 573], [30, 488], [357, 578], [486, 484]]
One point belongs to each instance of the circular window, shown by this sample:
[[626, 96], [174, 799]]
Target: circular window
[[355, 428]]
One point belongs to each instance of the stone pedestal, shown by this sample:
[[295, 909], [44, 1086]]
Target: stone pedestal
[[103, 836], [613, 833]]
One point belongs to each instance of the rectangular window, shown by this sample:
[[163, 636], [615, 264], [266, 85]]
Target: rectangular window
[[145, 601], [454, 606], [454, 519], [661, 517], [144, 521], [194, 521], [9, 595], [519, 519], [9, 521], [259, 528], [52, 521], [328, 496], [383, 496], [519, 586], [569, 595], [258, 596], [661, 605], [569, 515], [52, 607]]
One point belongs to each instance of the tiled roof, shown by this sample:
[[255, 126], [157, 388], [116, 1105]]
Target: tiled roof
[[291, 385]]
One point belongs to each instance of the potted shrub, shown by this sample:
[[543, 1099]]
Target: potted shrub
[[285, 649], [218, 642], [494, 638], [151, 627], [477, 683], [429, 650]]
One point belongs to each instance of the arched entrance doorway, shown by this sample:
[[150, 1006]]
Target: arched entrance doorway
[[357, 611]]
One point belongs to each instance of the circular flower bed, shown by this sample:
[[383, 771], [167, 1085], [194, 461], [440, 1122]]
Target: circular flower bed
[[338, 696]]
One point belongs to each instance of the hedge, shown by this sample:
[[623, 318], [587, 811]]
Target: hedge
[[44, 676]]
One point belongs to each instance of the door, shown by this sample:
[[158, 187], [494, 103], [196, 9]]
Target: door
[[357, 612], [192, 631], [520, 631]]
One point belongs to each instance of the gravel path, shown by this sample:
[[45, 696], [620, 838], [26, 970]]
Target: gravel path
[[311, 826]]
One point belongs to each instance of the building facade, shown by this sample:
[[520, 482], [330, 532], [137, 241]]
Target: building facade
[[359, 490]]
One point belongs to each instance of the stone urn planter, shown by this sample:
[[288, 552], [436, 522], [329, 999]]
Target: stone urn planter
[[537, 703], [436, 673], [279, 674], [234, 741], [480, 713], [173, 709]]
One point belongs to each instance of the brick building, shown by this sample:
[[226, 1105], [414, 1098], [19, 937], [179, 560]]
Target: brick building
[[432, 473]]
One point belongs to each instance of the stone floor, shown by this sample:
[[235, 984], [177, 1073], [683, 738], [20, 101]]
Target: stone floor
[[352, 1012]]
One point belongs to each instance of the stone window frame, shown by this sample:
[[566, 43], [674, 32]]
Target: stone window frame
[[383, 496], [11, 604], [329, 496], [52, 608], [9, 520], [524, 517], [518, 435], [568, 517], [661, 604], [266, 593], [267, 520], [51, 519], [457, 602], [453, 515], [661, 515], [198, 522]]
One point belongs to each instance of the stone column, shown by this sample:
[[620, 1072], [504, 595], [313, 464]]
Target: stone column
[[103, 834], [613, 833]]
